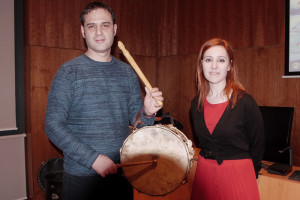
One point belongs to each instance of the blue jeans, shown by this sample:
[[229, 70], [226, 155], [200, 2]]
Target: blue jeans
[[95, 187]]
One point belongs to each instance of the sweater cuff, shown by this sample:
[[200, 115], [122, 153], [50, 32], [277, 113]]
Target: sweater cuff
[[92, 159], [146, 115], [148, 120]]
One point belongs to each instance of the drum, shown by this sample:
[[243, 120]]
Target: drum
[[173, 155]]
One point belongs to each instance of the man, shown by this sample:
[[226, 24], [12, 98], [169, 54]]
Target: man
[[91, 102]]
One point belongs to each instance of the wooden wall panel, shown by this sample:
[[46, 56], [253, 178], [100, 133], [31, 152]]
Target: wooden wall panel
[[187, 88], [148, 66], [177, 82], [161, 28], [54, 23], [180, 27], [148, 27], [261, 71], [244, 23]]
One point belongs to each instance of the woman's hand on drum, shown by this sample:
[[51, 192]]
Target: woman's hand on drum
[[103, 165], [151, 104]]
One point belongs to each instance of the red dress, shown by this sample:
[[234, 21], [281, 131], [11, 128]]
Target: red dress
[[232, 180]]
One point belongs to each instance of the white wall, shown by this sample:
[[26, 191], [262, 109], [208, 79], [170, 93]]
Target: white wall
[[12, 147], [7, 66], [12, 167]]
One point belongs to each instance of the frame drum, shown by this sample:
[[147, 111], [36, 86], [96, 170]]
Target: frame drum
[[164, 144]]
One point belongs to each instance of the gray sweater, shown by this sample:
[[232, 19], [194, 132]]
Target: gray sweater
[[90, 105]]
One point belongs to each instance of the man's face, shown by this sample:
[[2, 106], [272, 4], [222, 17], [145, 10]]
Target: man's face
[[99, 31]]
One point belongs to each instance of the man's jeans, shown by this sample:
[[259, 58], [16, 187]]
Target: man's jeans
[[95, 187]]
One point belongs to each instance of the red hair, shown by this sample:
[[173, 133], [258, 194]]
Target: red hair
[[233, 86]]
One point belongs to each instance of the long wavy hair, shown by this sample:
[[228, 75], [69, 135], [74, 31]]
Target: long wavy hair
[[233, 88]]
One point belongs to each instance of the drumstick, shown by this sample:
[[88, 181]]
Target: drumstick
[[136, 163], [136, 68]]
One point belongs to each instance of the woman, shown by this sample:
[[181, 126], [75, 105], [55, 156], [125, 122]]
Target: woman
[[228, 128]]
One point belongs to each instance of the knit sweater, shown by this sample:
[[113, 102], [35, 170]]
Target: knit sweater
[[239, 134], [89, 109]]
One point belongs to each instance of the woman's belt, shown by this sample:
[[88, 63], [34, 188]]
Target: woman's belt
[[207, 154]]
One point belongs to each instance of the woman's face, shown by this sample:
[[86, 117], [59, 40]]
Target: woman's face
[[215, 65]]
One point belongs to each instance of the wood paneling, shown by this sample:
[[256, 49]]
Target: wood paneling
[[244, 23], [54, 23], [261, 70], [176, 79], [161, 28], [164, 37], [149, 28]]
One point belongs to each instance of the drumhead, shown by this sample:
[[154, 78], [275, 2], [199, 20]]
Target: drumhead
[[161, 144]]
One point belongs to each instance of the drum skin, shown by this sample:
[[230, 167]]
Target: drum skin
[[165, 144]]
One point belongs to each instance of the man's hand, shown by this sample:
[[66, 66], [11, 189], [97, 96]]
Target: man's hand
[[150, 102], [103, 165]]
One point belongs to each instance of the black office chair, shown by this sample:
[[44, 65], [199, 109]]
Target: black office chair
[[278, 126]]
